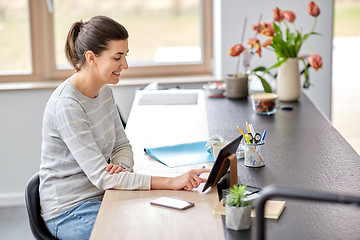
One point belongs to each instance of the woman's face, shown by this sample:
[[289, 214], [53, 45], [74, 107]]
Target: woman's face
[[112, 61]]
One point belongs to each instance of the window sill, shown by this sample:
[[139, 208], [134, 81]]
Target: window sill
[[123, 82]]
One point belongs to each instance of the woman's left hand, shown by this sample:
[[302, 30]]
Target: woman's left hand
[[112, 168]]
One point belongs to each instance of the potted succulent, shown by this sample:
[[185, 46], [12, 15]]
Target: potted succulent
[[238, 211]]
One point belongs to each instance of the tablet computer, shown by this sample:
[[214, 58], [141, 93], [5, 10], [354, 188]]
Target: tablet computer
[[215, 173]]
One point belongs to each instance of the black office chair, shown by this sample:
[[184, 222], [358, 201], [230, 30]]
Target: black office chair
[[121, 118], [32, 200]]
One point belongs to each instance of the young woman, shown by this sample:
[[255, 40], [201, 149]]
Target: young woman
[[84, 149]]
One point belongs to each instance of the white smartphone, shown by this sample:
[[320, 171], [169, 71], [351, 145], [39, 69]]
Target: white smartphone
[[172, 203]]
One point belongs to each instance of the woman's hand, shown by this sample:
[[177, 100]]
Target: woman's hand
[[112, 168], [189, 180], [186, 181]]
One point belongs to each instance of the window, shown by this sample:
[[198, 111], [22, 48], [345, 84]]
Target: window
[[15, 50], [167, 37]]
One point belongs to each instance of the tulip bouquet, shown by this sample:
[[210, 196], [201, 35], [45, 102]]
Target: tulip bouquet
[[285, 44]]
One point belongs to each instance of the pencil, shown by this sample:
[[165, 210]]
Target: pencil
[[257, 153], [241, 131], [247, 126]]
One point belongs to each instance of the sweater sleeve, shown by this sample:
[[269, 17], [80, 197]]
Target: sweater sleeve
[[75, 130]]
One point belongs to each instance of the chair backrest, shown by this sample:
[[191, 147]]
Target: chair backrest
[[32, 200], [121, 118]]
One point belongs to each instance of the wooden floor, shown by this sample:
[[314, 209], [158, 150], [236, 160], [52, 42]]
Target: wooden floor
[[346, 90], [345, 118]]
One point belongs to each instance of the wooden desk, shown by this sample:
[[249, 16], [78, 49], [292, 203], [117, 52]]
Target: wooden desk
[[128, 214], [302, 150]]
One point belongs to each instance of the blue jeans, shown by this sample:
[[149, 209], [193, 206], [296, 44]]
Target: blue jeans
[[76, 223]]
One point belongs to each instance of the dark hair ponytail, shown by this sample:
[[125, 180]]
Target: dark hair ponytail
[[70, 48], [94, 36]]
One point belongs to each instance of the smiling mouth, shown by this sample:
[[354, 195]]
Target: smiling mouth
[[116, 74]]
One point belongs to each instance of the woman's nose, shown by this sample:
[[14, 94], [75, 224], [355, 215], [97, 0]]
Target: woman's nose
[[124, 64]]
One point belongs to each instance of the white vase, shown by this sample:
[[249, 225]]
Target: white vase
[[288, 81], [238, 218]]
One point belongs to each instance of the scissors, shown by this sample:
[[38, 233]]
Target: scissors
[[254, 139]]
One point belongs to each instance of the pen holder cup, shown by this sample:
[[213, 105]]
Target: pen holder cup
[[253, 156]]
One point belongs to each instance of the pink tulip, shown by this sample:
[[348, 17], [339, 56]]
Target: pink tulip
[[254, 42], [265, 28], [313, 9], [267, 42], [278, 15], [289, 16], [258, 51], [236, 50], [268, 32], [269, 25], [315, 61], [257, 27]]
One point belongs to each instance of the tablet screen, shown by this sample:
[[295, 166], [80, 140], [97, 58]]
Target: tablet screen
[[224, 152]]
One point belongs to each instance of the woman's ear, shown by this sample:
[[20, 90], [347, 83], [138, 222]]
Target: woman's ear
[[90, 58]]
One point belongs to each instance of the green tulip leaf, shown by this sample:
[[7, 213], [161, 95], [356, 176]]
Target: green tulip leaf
[[259, 69], [265, 84], [305, 70]]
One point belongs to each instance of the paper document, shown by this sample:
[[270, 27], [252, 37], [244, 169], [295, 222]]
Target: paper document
[[181, 154]]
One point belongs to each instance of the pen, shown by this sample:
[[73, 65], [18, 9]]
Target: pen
[[252, 130], [200, 173], [263, 136]]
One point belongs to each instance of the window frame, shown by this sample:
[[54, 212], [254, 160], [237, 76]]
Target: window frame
[[43, 51]]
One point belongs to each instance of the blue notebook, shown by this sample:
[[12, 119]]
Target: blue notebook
[[181, 154]]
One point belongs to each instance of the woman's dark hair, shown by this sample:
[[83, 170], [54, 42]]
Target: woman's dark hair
[[93, 35]]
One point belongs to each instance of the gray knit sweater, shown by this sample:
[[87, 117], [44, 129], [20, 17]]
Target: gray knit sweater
[[80, 135]]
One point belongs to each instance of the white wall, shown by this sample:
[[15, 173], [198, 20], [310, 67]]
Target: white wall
[[229, 17], [20, 141]]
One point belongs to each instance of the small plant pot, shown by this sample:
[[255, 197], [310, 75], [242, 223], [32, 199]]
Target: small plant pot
[[236, 86], [238, 218]]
